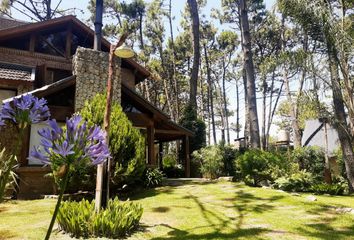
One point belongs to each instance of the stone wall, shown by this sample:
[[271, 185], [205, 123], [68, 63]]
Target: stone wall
[[91, 70]]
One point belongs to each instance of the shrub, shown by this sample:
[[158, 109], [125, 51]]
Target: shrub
[[126, 143], [228, 155], [7, 175], [323, 188], [310, 159], [297, 182], [79, 219], [170, 167], [211, 161], [153, 177], [255, 166]]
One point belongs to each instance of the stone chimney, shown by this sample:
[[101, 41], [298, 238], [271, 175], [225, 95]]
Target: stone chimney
[[91, 70]]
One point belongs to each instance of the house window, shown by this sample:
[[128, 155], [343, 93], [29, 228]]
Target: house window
[[35, 140], [7, 93]]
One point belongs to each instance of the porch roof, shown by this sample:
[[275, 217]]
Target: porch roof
[[144, 115]]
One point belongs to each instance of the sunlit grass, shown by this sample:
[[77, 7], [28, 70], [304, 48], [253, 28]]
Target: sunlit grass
[[203, 210]]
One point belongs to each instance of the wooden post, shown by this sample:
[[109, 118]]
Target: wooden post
[[151, 147], [187, 162], [327, 169], [160, 155]]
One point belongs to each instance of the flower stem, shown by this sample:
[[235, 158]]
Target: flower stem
[[66, 179]]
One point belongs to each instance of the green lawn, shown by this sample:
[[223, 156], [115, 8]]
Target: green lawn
[[204, 210]]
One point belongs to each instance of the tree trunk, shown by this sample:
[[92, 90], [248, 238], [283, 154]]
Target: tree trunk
[[210, 93], [294, 121], [247, 122], [174, 79], [270, 110], [249, 67], [225, 102], [274, 109], [237, 112], [49, 10], [193, 8], [264, 108], [339, 111]]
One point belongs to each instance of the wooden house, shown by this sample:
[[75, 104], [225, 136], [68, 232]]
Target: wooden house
[[49, 59]]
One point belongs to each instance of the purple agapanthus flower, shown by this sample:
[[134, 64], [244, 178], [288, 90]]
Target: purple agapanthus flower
[[26, 109], [75, 142]]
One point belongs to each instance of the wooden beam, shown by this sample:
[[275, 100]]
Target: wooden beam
[[166, 131], [151, 145], [160, 155]]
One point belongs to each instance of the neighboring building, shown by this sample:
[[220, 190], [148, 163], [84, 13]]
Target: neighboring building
[[53, 59], [315, 134]]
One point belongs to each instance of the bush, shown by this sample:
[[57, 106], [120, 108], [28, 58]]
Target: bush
[[79, 219], [255, 166], [332, 189], [297, 182], [211, 161], [228, 155], [170, 167], [310, 159], [7, 175], [153, 177], [126, 143]]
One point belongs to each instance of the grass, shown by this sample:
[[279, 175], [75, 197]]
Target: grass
[[205, 210]]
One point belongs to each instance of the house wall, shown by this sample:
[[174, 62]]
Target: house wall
[[33, 59], [91, 70]]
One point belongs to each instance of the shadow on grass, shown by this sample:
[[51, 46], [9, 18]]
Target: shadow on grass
[[325, 231], [6, 234], [221, 226], [161, 209], [176, 234], [320, 227], [168, 187]]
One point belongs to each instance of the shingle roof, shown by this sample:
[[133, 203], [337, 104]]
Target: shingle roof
[[6, 23], [16, 72]]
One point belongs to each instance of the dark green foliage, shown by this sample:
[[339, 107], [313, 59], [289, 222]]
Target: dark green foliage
[[297, 182], [229, 154], [211, 161], [323, 188], [170, 167], [79, 219], [255, 166], [311, 159], [191, 121], [7, 174], [82, 177], [153, 177], [126, 143]]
